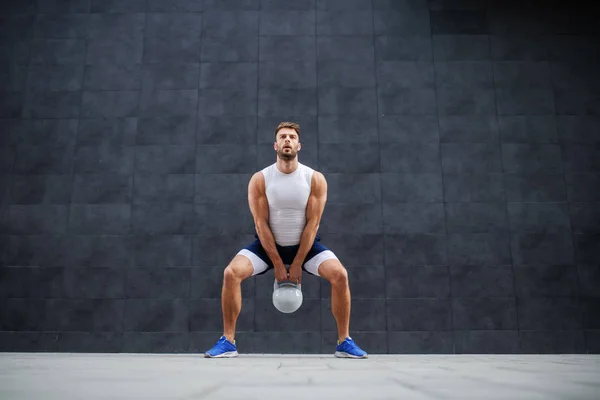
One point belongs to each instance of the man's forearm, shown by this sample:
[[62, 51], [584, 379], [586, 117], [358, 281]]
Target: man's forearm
[[306, 241], [267, 240]]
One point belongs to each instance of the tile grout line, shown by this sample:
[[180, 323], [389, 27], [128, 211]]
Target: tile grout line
[[443, 199], [193, 234], [506, 202], [381, 201]]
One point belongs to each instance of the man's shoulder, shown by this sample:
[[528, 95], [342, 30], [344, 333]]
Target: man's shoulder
[[257, 175], [318, 182], [311, 170], [261, 172], [318, 175]]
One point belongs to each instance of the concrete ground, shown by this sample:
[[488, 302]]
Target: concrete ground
[[65, 376]]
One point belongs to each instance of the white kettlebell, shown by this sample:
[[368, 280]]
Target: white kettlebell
[[287, 296]]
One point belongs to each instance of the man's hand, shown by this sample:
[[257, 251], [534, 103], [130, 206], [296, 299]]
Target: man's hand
[[295, 272], [281, 273]]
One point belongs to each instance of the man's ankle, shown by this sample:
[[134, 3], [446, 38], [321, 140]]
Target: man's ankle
[[230, 338]]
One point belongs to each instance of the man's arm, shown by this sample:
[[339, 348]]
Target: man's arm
[[257, 199], [314, 212]]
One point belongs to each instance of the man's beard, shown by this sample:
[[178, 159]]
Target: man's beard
[[287, 156]]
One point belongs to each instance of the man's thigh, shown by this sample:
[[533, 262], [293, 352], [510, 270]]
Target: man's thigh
[[315, 257], [258, 257]]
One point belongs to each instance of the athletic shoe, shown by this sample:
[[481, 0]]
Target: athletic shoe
[[222, 349], [349, 349]]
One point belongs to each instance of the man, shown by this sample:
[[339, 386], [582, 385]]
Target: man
[[287, 200]]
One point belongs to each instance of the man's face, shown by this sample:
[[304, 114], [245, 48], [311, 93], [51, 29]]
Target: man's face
[[287, 144]]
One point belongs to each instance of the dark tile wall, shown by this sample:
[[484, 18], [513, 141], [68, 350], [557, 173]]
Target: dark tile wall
[[460, 140]]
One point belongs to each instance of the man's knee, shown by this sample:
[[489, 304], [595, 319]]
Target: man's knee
[[334, 272], [340, 275], [239, 268]]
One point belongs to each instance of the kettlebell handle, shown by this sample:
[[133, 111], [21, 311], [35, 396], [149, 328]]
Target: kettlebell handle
[[286, 283]]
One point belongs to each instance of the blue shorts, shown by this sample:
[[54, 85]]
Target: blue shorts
[[262, 263]]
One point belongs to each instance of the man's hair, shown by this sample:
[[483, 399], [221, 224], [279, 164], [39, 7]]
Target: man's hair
[[286, 124]]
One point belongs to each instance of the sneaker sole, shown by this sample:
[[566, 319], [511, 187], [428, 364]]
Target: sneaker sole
[[342, 354], [228, 354]]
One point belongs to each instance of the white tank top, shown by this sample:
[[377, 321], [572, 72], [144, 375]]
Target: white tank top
[[287, 195]]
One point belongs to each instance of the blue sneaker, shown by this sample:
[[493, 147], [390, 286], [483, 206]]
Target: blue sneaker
[[349, 349], [223, 349]]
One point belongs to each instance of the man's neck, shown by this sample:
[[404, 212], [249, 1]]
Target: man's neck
[[287, 167]]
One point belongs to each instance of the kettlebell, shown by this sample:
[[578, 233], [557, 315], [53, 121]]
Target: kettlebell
[[287, 296]]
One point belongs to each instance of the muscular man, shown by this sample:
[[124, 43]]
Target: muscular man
[[287, 200]]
